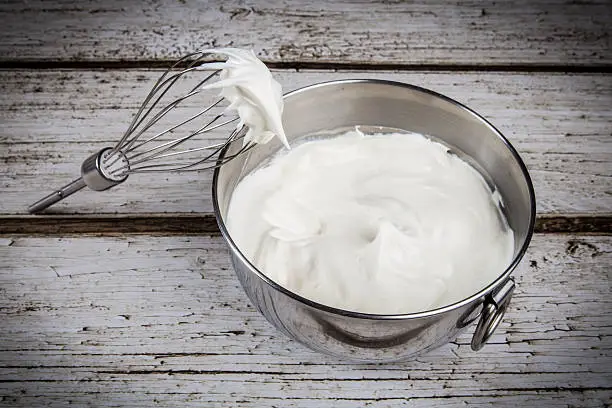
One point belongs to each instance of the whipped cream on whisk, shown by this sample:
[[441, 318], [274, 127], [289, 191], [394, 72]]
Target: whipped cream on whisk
[[382, 224], [248, 85]]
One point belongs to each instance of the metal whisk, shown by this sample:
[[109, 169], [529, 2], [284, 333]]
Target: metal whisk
[[144, 148]]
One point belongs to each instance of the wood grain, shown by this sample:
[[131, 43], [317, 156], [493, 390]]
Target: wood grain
[[52, 120], [143, 321], [561, 33]]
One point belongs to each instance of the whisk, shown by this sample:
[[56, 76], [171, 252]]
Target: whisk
[[143, 148]]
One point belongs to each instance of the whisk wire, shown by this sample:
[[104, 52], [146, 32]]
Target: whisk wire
[[158, 151], [164, 111], [168, 84], [158, 85], [112, 159], [162, 84], [192, 166], [139, 117], [162, 133]]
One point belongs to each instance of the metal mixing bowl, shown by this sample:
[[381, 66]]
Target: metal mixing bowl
[[369, 337]]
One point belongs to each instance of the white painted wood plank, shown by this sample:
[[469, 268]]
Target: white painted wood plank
[[139, 320], [543, 32], [52, 120]]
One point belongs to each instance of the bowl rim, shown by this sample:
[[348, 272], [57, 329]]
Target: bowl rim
[[500, 280]]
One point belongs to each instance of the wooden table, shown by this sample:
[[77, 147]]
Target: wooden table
[[127, 298]]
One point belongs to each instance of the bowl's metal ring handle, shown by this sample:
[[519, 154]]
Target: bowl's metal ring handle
[[492, 314]]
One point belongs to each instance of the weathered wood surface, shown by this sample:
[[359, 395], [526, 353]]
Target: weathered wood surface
[[161, 321], [476, 33], [52, 120]]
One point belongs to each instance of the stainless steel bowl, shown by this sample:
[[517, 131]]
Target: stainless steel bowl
[[369, 337]]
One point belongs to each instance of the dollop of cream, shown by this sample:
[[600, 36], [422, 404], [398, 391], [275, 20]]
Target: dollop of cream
[[382, 223], [248, 85]]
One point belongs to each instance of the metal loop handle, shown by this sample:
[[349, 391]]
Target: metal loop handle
[[492, 314]]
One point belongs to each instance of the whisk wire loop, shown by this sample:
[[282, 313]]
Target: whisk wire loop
[[159, 85], [164, 111]]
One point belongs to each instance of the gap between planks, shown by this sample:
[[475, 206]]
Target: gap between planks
[[195, 224], [325, 65]]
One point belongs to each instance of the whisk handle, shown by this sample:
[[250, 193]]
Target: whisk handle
[[57, 195]]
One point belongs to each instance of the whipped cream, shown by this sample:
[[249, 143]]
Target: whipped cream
[[382, 223], [248, 85]]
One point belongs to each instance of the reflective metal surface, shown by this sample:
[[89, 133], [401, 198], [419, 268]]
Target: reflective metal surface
[[492, 314], [366, 337]]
